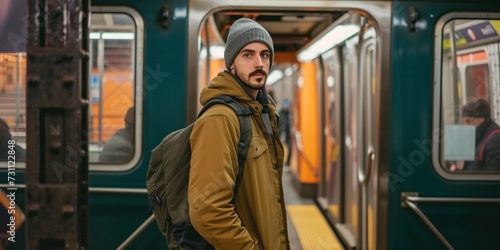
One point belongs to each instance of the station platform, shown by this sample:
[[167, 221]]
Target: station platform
[[308, 229]]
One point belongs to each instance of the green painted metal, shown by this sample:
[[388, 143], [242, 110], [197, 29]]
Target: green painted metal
[[411, 169]]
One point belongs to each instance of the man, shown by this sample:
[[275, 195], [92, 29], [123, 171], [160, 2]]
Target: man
[[256, 218], [477, 113], [119, 148]]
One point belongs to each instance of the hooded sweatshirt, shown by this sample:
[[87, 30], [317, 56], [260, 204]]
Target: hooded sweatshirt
[[257, 217]]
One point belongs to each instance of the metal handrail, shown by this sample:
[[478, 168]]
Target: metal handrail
[[451, 199], [428, 223], [109, 190], [137, 232], [298, 145], [92, 189], [410, 200], [365, 174]]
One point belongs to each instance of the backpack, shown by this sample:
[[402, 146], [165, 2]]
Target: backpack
[[168, 176]]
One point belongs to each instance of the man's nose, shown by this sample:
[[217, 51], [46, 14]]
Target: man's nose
[[259, 62]]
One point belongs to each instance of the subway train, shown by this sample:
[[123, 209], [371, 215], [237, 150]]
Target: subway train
[[374, 90]]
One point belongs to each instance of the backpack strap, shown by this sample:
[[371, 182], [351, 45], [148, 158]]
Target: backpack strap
[[245, 131], [481, 151]]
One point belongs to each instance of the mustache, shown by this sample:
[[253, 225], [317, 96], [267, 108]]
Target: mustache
[[258, 71]]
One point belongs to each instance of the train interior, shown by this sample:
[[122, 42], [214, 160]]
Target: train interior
[[326, 77]]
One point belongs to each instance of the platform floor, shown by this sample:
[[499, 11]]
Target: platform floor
[[307, 227]]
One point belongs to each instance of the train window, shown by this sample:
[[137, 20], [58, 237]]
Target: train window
[[12, 83], [116, 35], [469, 97], [115, 41], [12, 104]]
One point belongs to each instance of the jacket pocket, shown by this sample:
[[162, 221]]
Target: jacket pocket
[[258, 146]]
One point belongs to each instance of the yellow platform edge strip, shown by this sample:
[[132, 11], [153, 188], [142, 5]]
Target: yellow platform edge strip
[[312, 229]]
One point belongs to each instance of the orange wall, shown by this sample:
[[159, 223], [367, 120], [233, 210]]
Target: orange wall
[[117, 97], [308, 168]]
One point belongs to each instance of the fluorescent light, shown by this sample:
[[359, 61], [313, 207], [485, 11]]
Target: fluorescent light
[[95, 35], [217, 52], [275, 76], [331, 39], [118, 35], [112, 35]]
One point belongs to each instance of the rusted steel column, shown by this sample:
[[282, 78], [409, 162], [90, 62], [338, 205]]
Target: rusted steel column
[[57, 124]]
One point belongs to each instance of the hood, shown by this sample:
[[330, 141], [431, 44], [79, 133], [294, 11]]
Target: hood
[[225, 83]]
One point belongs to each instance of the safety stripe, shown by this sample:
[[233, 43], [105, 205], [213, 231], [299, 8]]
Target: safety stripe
[[312, 229]]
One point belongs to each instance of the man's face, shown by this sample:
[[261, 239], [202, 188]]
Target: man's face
[[473, 121], [251, 65]]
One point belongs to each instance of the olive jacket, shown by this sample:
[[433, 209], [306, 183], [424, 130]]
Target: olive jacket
[[257, 220]]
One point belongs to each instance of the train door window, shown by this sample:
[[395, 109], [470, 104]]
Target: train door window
[[351, 124], [467, 145], [116, 36], [330, 180]]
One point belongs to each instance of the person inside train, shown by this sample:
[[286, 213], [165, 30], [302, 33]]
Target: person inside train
[[119, 148], [256, 218], [7, 144], [477, 112]]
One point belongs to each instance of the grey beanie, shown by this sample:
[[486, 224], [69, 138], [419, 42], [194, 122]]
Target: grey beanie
[[243, 32]]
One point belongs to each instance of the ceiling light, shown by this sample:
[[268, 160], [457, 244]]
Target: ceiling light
[[331, 39]]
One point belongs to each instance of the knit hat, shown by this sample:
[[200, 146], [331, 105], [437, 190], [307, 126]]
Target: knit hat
[[476, 107], [243, 32]]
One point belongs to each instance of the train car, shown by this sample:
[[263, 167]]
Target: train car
[[375, 90]]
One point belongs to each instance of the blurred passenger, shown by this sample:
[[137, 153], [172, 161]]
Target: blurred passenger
[[119, 148], [5, 137], [285, 128], [256, 218], [477, 113]]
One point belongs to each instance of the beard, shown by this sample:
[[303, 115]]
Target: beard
[[256, 84]]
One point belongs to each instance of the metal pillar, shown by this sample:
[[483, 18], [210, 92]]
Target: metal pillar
[[57, 124]]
